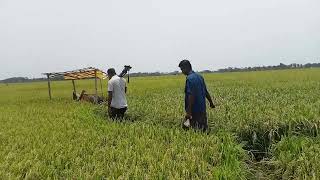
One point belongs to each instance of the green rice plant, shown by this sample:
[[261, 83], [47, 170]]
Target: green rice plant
[[65, 139], [297, 158]]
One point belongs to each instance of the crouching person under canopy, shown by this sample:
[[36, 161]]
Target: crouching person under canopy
[[84, 97]]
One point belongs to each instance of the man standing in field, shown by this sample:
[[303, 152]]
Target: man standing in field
[[195, 97], [117, 89]]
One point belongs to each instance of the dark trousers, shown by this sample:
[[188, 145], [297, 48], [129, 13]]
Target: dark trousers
[[117, 113], [199, 121]]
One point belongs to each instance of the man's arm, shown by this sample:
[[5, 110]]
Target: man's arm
[[109, 101], [210, 99], [190, 100], [208, 96], [189, 108], [109, 98], [110, 90]]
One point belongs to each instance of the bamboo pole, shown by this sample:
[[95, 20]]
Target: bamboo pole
[[101, 88], [95, 82], [74, 86], [49, 86], [128, 77]]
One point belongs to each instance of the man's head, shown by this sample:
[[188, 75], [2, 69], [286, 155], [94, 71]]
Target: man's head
[[111, 72], [185, 66]]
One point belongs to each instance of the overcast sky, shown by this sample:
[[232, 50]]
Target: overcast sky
[[154, 35]]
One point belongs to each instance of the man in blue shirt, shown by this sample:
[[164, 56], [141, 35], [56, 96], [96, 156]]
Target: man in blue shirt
[[195, 97]]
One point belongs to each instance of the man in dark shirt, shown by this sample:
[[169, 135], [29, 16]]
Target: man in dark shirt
[[195, 97]]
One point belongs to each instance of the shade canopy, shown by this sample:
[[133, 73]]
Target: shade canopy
[[85, 73]]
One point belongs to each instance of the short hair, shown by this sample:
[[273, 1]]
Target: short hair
[[111, 71], [185, 63]]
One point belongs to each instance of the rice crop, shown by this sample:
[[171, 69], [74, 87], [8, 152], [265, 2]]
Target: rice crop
[[265, 125]]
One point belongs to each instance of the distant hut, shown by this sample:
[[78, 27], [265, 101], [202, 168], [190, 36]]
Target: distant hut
[[79, 74]]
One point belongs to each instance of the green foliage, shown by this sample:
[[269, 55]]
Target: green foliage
[[297, 158], [65, 139]]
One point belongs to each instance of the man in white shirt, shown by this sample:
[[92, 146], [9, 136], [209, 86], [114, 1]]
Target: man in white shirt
[[117, 89]]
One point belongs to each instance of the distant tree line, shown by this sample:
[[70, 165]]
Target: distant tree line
[[140, 74], [264, 68], [25, 79]]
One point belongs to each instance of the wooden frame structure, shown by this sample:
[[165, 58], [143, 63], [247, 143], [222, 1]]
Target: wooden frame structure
[[86, 73]]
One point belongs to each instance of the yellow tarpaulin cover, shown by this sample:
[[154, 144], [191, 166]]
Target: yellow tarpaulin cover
[[85, 74]]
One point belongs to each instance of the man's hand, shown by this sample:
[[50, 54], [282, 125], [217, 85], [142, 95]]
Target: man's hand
[[212, 105], [188, 116]]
